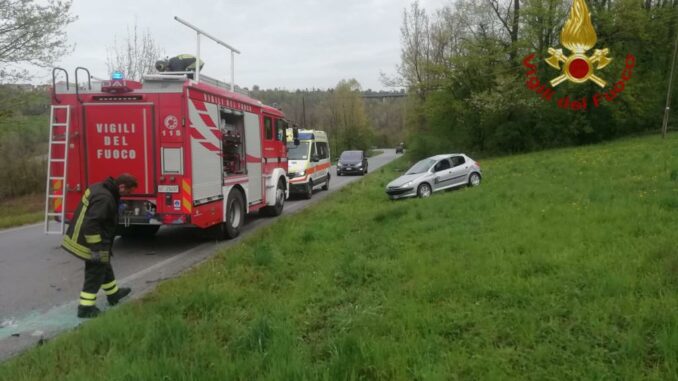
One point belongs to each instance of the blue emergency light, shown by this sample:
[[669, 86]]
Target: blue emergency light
[[306, 136], [117, 75]]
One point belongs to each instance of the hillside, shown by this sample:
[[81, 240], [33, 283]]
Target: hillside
[[563, 264]]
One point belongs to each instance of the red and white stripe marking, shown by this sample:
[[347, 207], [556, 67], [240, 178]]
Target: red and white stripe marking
[[203, 127]]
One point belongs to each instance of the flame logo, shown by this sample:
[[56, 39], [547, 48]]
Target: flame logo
[[578, 34]]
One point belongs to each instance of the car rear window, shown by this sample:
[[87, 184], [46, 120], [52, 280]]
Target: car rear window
[[351, 155], [457, 160]]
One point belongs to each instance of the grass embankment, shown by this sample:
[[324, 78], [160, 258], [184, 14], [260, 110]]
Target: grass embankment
[[22, 210], [23, 149], [561, 265]]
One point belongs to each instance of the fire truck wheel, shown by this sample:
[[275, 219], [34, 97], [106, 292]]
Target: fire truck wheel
[[276, 210], [308, 193], [138, 231], [235, 214]]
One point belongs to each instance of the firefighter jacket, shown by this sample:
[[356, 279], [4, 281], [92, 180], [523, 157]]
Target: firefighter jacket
[[94, 222]]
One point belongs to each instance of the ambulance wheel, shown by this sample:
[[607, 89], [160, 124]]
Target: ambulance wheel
[[277, 209], [308, 192], [138, 231], [326, 186], [235, 214]]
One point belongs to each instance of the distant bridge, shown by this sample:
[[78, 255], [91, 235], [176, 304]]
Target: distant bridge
[[384, 95]]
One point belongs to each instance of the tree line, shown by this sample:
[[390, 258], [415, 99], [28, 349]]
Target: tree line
[[464, 68], [351, 121]]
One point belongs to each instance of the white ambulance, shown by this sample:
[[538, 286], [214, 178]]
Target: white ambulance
[[308, 165]]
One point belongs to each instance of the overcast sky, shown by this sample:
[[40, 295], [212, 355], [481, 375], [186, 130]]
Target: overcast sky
[[285, 44]]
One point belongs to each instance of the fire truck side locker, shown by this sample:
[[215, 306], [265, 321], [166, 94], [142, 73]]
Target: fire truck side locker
[[253, 150], [205, 148]]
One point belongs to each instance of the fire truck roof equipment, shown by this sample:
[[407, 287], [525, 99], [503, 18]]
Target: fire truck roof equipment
[[200, 32]]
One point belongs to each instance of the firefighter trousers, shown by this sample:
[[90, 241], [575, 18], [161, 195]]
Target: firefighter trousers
[[97, 275]]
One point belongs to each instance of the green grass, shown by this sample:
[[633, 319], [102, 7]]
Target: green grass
[[561, 265], [33, 126], [22, 210], [23, 145]]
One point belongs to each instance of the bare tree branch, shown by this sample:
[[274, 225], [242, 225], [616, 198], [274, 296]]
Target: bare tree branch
[[135, 55]]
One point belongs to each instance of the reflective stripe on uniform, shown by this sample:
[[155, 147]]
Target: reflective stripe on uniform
[[81, 217], [76, 248], [85, 302], [88, 299], [92, 239], [110, 288], [87, 295], [111, 291]]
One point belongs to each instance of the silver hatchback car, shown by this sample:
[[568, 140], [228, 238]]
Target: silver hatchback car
[[435, 173]]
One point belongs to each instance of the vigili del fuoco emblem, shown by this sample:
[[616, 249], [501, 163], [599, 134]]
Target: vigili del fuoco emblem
[[579, 37]]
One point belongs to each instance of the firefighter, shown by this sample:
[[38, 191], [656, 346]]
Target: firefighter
[[90, 237]]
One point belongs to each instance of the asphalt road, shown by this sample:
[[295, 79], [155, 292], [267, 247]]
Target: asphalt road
[[40, 283]]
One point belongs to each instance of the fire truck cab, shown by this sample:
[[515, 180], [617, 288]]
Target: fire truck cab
[[203, 154]]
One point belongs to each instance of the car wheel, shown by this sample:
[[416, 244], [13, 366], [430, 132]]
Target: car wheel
[[235, 215], [326, 186], [424, 190], [474, 179], [308, 193], [276, 210]]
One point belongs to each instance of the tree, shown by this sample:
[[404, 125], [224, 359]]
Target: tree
[[467, 88], [510, 20], [416, 50], [346, 118], [135, 55], [32, 32]]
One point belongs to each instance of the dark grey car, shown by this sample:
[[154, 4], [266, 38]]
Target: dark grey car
[[352, 162], [435, 173]]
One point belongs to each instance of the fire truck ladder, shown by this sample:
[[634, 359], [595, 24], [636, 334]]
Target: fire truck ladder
[[55, 194]]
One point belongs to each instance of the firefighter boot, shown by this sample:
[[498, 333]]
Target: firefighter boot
[[86, 312], [115, 298]]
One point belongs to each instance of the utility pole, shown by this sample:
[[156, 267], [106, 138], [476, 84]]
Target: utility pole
[[665, 124], [303, 111]]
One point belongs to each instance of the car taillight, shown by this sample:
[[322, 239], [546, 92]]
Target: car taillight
[[478, 164]]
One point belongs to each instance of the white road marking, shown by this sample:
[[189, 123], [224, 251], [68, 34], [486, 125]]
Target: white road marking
[[21, 228]]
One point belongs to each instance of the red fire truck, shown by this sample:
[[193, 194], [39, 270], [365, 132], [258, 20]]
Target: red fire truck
[[203, 155]]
